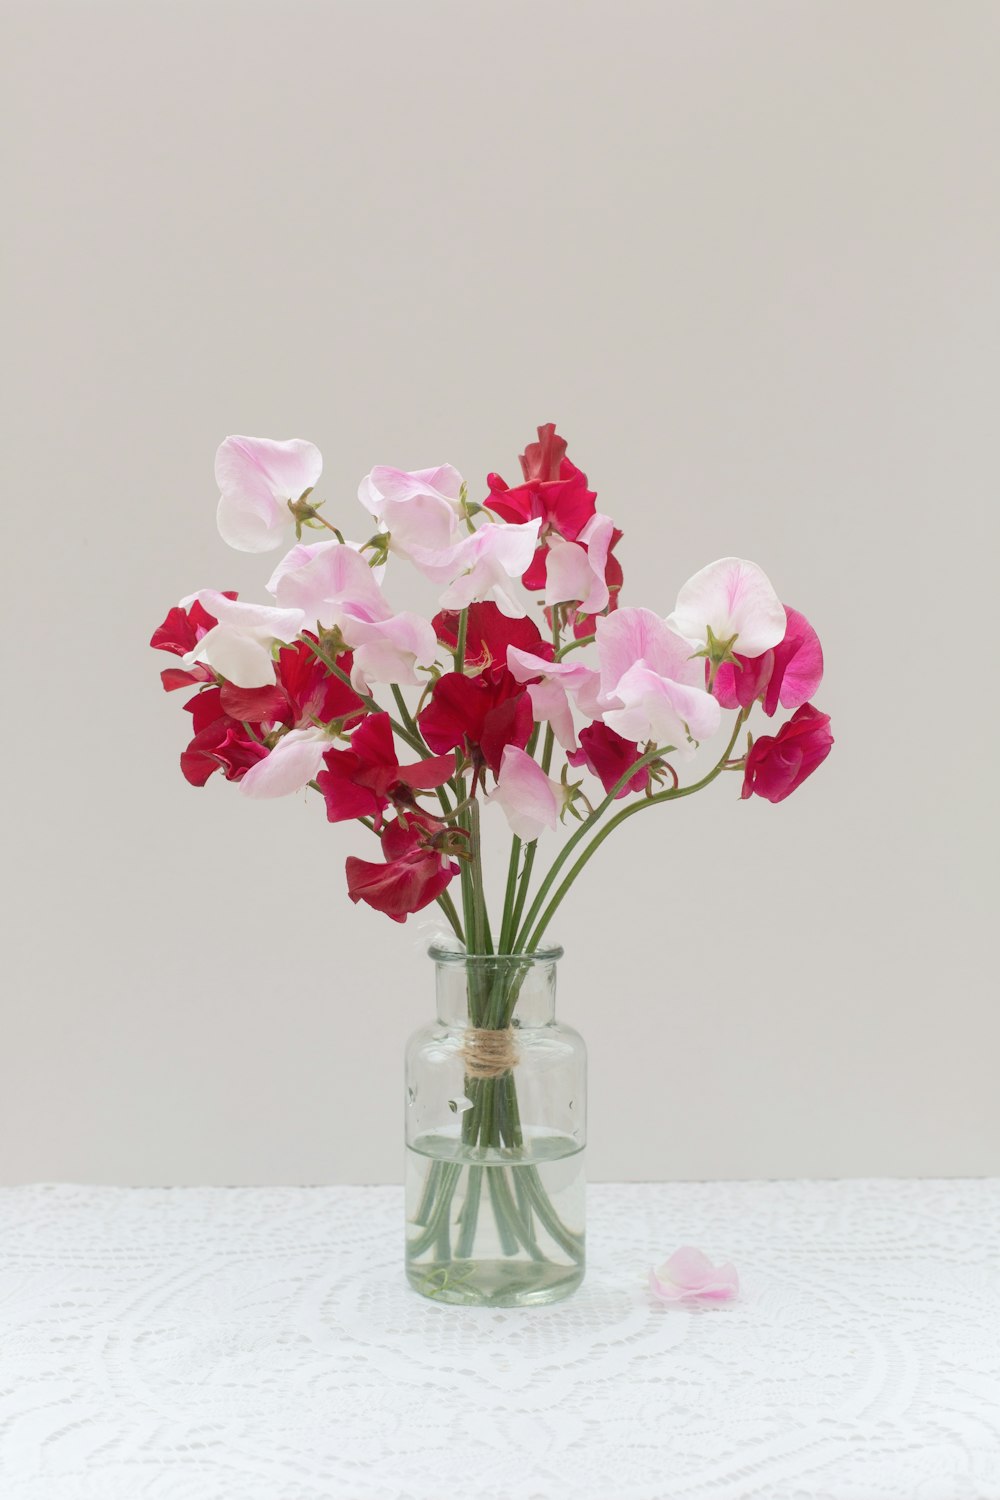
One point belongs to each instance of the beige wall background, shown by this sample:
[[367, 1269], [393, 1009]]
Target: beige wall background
[[746, 256]]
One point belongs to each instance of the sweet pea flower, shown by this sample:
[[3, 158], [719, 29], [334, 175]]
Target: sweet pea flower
[[689, 1276], [609, 756], [259, 479], [415, 872], [554, 490], [777, 764], [550, 684], [316, 703], [488, 633], [575, 572], [420, 508], [731, 601], [180, 634], [331, 583], [481, 566], [654, 688], [531, 801], [220, 743], [483, 714], [239, 645], [360, 782], [788, 674]]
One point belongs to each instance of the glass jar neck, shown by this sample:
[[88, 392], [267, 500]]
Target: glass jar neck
[[496, 991]]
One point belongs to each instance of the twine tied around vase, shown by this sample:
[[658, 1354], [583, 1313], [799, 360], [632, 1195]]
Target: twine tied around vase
[[489, 1053]]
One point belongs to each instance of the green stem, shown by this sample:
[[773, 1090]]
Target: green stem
[[415, 742], [509, 896], [479, 920], [447, 905], [571, 843], [584, 640], [670, 795]]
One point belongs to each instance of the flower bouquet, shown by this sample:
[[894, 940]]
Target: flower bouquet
[[419, 729]]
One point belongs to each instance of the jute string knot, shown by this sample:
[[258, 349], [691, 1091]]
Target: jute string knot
[[489, 1054]]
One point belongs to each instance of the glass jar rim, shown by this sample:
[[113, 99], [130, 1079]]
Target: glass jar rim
[[441, 955]]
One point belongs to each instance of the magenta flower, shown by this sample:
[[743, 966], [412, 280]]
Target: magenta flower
[[689, 1276], [789, 673]]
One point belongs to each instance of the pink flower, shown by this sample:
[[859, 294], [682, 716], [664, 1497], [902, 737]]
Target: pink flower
[[575, 572], [239, 646], [729, 601], [689, 1276], [654, 689], [788, 674], [333, 585], [416, 870], [259, 479], [550, 685], [420, 508], [530, 800], [778, 763], [481, 566]]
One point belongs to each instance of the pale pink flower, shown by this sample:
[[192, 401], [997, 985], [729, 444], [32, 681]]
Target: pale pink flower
[[575, 572], [239, 646], [420, 508], [391, 650], [332, 584], [259, 478], [328, 581], [735, 601], [296, 760], [481, 566], [652, 688], [531, 801], [689, 1276], [551, 698]]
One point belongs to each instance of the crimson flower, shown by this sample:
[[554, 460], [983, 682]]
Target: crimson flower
[[313, 693], [416, 870], [777, 763], [179, 633], [362, 781], [488, 634], [220, 743], [788, 674], [485, 712], [554, 489], [609, 755]]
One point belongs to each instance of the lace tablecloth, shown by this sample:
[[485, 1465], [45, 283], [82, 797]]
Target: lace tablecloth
[[261, 1344]]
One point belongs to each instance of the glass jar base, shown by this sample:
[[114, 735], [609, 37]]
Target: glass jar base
[[494, 1283]]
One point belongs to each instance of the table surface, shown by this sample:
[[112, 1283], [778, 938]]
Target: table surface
[[262, 1344]]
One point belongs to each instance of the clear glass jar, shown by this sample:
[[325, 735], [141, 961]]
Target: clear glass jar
[[495, 1136]]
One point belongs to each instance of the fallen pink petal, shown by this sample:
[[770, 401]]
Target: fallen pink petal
[[689, 1276]]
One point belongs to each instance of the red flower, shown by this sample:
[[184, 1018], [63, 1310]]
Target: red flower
[[180, 633], [220, 742], [485, 714], [777, 763], [609, 756], [554, 490], [488, 634], [788, 674], [362, 781], [415, 872], [490, 710], [314, 694]]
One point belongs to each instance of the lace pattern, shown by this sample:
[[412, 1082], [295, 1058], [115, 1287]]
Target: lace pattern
[[261, 1344]]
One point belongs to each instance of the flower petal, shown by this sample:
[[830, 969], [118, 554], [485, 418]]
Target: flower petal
[[295, 760], [528, 797], [734, 599], [258, 477]]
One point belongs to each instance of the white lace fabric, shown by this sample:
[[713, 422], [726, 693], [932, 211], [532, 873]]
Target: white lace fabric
[[262, 1344]]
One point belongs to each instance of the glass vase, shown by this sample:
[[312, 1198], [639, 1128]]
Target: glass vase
[[495, 1136]]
